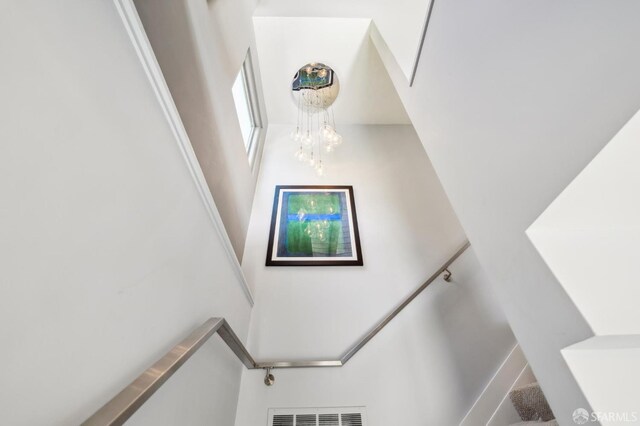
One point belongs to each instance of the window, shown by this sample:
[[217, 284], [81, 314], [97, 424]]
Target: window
[[343, 416], [247, 108]]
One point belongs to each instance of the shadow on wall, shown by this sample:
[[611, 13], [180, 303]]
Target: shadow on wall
[[189, 48]]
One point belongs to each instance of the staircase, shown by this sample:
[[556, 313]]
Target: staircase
[[532, 406]]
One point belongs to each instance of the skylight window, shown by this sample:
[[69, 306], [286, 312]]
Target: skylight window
[[246, 101]]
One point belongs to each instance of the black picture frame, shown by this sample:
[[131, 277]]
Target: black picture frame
[[354, 260]]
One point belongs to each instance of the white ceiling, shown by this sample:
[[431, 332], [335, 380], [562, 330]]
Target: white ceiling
[[400, 22], [285, 44]]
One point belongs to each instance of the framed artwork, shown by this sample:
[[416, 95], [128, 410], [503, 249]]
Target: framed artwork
[[314, 226]]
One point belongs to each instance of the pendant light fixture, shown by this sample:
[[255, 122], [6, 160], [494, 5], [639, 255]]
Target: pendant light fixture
[[315, 88]]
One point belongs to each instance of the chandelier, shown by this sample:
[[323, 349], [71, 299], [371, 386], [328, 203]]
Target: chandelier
[[314, 89]]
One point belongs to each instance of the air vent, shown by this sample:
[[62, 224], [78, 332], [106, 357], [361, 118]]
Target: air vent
[[283, 420], [341, 416], [306, 420], [329, 420], [351, 419]]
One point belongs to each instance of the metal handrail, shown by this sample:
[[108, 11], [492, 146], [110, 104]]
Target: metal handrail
[[124, 404]]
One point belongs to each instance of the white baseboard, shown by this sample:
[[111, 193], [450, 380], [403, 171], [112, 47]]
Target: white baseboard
[[506, 414], [493, 404]]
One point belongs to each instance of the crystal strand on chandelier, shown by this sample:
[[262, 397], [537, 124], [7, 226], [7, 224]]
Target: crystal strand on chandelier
[[315, 88], [336, 138], [319, 168], [311, 138], [297, 135], [307, 140]]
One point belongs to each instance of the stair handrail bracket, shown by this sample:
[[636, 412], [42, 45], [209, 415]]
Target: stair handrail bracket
[[122, 406]]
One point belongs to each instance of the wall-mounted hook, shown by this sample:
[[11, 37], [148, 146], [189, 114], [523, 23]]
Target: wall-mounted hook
[[269, 379], [447, 275]]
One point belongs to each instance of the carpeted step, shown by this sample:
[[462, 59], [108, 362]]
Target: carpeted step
[[530, 403]]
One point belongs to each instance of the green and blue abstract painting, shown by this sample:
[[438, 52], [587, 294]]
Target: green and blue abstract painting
[[314, 226]]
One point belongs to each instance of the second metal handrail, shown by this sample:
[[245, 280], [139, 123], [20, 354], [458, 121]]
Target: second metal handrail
[[127, 402]]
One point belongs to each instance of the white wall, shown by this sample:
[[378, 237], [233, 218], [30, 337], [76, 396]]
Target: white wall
[[401, 22], [511, 101], [201, 47], [607, 370], [433, 361], [594, 222], [588, 237], [108, 255]]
